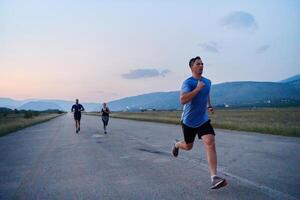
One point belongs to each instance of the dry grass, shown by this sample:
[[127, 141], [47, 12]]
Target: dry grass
[[277, 121], [14, 122]]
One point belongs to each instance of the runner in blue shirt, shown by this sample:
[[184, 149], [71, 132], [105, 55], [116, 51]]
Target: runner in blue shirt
[[195, 99]]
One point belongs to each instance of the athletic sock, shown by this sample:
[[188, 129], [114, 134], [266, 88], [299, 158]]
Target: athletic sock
[[176, 145], [212, 177]]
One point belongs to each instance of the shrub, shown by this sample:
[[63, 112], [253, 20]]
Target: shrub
[[28, 114]]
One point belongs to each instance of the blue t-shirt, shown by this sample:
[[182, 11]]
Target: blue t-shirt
[[195, 112]]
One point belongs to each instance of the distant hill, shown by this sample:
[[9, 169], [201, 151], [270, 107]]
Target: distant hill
[[231, 94], [295, 84], [45, 104], [10, 103], [292, 78], [255, 94], [66, 105], [39, 106], [157, 100]]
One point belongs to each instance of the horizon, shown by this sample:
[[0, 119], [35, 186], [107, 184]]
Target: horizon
[[53, 99], [105, 51]]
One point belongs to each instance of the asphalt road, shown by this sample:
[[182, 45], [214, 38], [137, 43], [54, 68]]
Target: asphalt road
[[133, 161]]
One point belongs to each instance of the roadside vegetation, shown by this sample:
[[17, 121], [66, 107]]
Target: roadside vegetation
[[277, 121], [13, 120]]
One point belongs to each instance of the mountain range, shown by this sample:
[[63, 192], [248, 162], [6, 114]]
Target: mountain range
[[230, 94], [44, 104]]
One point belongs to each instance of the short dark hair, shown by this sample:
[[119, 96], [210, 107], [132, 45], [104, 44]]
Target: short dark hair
[[192, 61]]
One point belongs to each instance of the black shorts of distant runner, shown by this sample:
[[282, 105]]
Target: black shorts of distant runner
[[77, 116]]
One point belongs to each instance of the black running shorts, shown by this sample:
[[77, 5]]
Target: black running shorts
[[77, 116], [190, 133]]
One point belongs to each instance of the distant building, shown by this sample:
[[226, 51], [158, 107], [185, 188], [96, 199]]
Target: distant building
[[267, 101]]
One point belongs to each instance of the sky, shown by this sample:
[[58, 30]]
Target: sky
[[105, 50]]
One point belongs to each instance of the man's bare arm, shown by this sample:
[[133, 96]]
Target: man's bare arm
[[188, 96], [210, 108], [209, 102]]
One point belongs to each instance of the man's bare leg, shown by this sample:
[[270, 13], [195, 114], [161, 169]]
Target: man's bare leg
[[76, 125], [183, 145], [210, 147], [211, 153]]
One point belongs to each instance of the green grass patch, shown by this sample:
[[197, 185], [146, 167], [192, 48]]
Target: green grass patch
[[15, 121], [277, 121]]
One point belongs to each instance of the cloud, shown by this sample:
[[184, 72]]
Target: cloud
[[164, 72], [239, 20], [210, 47], [263, 48], [144, 73]]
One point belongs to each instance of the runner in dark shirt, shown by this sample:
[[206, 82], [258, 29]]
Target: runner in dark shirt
[[77, 108]]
